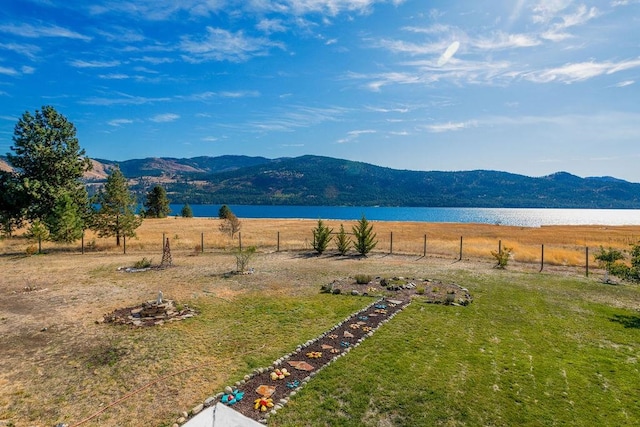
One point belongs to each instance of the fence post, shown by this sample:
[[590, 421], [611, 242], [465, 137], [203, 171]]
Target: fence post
[[424, 249], [391, 244], [82, 242], [587, 261], [499, 247], [202, 243], [124, 243], [542, 258], [278, 243], [240, 240], [460, 249], [163, 238]]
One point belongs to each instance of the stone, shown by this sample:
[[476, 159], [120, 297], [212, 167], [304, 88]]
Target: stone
[[197, 409], [209, 401], [266, 390], [355, 292], [228, 389]]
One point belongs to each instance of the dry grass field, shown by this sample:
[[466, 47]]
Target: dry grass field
[[59, 365]]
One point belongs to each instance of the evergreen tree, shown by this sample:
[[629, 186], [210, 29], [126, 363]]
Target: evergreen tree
[[38, 232], [343, 241], [116, 215], [66, 223], [157, 203], [186, 211], [49, 164], [365, 238], [224, 212], [321, 237]]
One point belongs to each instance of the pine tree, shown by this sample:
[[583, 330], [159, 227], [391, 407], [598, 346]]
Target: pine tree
[[224, 212], [66, 223], [343, 241], [364, 236], [186, 211], [49, 164], [321, 237], [116, 215], [157, 203]]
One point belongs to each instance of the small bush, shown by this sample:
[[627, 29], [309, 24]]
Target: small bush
[[420, 291], [143, 263], [362, 279], [31, 250], [502, 257]]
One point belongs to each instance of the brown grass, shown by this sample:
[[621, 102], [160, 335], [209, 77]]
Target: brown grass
[[563, 245], [57, 363]]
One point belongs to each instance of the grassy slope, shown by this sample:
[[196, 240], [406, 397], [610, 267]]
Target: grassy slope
[[531, 350]]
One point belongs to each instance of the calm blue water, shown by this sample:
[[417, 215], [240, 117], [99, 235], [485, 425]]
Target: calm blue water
[[504, 216]]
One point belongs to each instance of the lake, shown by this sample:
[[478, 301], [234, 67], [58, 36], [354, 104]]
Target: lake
[[504, 216]]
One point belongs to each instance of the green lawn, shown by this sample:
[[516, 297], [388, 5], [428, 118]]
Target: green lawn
[[532, 349]]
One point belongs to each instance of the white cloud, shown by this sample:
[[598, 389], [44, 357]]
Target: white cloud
[[119, 122], [580, 71], [355, 134], [30, 31], [625, 83], [114, 76], [222, 45], [271, 26], [78, 63], [164, 118], [451, 126], [7, 71], [448, 54], [27, 70], [29, 50], [122, 99]]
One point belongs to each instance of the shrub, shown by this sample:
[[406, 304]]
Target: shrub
[[362, 279], [186, 211], [243, 257], [420, 291], [502, 257], [31, 250], [143, 263]]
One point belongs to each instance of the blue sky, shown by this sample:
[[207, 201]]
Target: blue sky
[[529, 87]]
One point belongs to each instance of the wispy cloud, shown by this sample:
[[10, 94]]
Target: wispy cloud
[[122, 99], [354, 134], [222, 45], [31, 31], [119, 122], [79, 63], [164, 118], [8, 71], [29, 50], [451, 126], [571, 73], [114, 76], [625, 83]]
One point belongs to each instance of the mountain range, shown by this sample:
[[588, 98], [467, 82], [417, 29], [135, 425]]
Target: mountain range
[[315, 180]]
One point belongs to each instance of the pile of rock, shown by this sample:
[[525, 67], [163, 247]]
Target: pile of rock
[[150, 313]]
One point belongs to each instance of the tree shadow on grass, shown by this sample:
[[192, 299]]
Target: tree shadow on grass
[[627, 321]]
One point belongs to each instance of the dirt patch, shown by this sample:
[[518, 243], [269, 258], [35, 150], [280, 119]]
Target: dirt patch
[[149, 313]]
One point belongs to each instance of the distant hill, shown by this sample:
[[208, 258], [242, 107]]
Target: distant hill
[[315, 180]]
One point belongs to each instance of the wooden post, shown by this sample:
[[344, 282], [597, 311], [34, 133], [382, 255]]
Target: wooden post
[[424, 249], [586, 249], [499, 247], [278, 243], [124, 243], [391, 244], [240, 239], [201, 242], [542, 258], [82, 242], [163, 239], [460, 249]]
